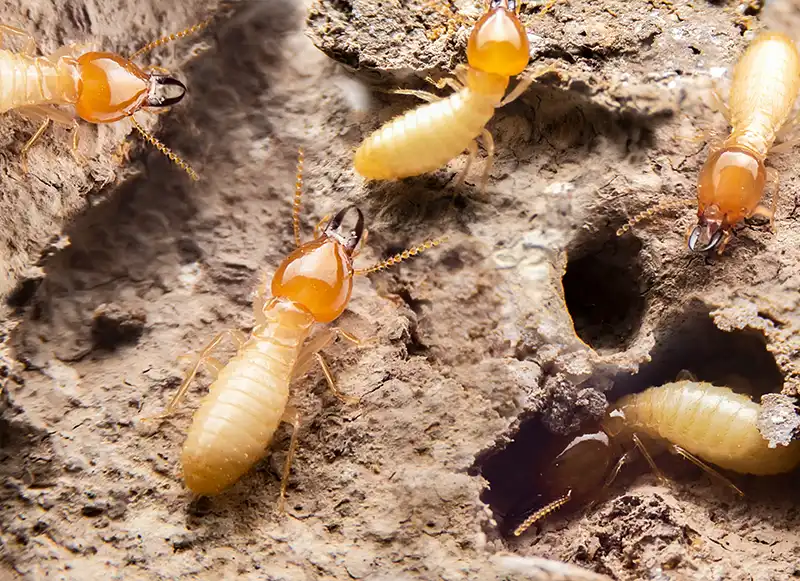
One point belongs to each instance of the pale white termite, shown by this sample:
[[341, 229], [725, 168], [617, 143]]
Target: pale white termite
[[248, 398], [103, 87]]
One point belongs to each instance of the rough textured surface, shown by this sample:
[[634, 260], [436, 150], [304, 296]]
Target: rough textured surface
[[472, 337]]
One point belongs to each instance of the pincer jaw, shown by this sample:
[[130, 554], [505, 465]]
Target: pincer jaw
[[705, 236], [164, 91]]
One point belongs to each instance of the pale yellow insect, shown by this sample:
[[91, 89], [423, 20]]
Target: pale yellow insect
[[102, 87], [766, 82], [697, 420], [248, 399], [426, 138]]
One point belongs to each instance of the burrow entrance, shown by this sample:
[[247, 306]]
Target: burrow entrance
[[690, 341], [604, 290]]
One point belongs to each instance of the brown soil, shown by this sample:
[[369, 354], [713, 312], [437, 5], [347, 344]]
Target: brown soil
[[478, 343]]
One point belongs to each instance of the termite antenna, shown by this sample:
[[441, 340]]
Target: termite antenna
[[650, 212], [169, 38], [298, 194], [400, 257], [165, 150], [542, 512]]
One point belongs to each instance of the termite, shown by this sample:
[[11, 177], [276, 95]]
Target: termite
[[428, 137], [248, 398], [102, 87], [766, 82], [696, 420]]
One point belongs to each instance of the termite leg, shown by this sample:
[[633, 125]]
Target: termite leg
[[718, 102], [700, 464], [321, 226], [472, 153], [237, 337], [25, 148], [423, 95], [290, 416], [332, 382], [30, 45], [617, 467], [526, 82], [445, 82], [488, 143], [640, 445], [298, 194]]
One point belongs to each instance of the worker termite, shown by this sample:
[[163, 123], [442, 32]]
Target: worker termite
[[248, 398], [426, 138], [103, 87], [696, 420], [766, 82]]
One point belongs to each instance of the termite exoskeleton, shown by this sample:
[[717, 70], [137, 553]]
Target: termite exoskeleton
[[248, 398], [766, 82], [426, 138], [696, 420], [103, 87]]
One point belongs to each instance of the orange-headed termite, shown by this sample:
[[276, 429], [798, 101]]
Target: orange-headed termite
[[426, 138], [696, 420], [766, 82], [102, 87], [248, 398]]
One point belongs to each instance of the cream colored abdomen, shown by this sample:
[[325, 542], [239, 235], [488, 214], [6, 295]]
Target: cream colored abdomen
[[235, 423], [423, 139], [765, 85], [26, 80], [711, 422]]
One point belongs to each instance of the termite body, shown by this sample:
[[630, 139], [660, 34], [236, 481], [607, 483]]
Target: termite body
[[697, 420], [731, 184], [426, 138], [101, 87], [766, 82], [248, 398]]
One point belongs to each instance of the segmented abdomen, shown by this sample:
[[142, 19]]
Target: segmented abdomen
[[27, 80], [711, 422], [424, 139], [765, 85], [234, 425]]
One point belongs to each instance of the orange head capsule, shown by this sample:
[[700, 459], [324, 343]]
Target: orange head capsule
[[730, 188], [319, 275], [498, 43], [112, 88]]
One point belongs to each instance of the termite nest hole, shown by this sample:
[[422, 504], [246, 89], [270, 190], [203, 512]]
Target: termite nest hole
[[689, 342], [604, 290]]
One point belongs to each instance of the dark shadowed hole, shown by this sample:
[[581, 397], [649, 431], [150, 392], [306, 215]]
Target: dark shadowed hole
[[603, 289], [688, 341]]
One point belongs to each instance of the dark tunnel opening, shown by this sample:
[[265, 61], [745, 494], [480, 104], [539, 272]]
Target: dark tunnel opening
[[604, 292], [689, 341]]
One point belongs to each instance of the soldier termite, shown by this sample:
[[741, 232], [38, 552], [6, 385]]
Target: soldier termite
[[426, 138], [103, 87], [766, 82], [248, 398], [696, 420]]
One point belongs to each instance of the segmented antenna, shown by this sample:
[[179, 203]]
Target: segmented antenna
[[661, 206], [298, 194], [541, 513], [165, 150], [400, 257], [169, 38]]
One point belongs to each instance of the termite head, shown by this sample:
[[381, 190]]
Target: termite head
[[319, 275], [730, 187], [113, 87], [498, 43]]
